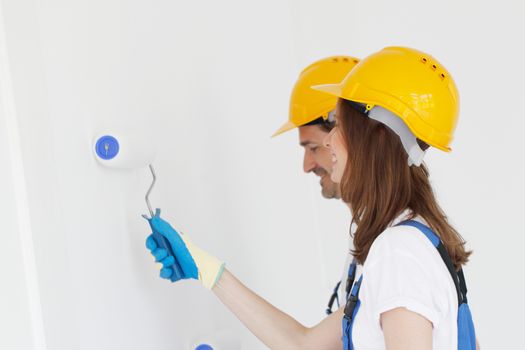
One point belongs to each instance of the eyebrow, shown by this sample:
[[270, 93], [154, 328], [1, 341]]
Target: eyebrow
[[306, 143]]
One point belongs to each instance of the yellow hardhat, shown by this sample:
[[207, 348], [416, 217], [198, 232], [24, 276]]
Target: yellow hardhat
[[306, 104], [409, 83]]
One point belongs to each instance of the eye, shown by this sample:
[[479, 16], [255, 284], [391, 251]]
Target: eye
[[314, 148]]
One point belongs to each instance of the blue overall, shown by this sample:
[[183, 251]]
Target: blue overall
[[466, 333]]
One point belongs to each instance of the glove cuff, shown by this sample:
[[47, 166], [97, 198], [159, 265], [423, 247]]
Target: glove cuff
[[210, 268]]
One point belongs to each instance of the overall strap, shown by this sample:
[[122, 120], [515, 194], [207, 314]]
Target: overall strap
[[351, 306], [457, 277], [333, 298], [350, 311], [350, 277], [351, 303]]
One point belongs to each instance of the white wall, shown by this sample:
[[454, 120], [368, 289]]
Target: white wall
[[15, 305], [211, 80]]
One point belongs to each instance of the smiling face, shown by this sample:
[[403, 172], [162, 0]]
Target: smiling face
[[317, 158], [338, 154]]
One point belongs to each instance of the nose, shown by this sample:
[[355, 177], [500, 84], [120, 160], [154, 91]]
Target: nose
[[308, 162]]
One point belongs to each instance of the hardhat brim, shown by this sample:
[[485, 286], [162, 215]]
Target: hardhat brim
[[332, 89], [285, 127]]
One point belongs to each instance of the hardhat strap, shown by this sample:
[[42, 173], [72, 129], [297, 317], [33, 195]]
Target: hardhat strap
[[396, 124]]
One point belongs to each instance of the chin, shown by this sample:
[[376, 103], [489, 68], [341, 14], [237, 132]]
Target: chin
[[335, 178], [329, 192]]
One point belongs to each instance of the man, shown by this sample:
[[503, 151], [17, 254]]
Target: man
[[312, 112]]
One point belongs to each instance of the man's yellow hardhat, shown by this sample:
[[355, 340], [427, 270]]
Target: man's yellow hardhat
[[306, 104]]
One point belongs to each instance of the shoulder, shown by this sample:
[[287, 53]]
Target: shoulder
[[404, 269], [401, 243]]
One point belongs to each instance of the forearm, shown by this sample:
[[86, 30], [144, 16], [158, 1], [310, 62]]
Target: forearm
[[273, 327]]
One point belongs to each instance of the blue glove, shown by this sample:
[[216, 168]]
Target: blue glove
[[179, 257]]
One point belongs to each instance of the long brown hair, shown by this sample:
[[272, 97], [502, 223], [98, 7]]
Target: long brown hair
[[379, 185]]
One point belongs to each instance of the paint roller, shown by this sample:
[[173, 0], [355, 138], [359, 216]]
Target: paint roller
[[132, 150]]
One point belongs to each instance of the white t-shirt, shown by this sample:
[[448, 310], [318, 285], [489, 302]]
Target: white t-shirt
[[404, 269]]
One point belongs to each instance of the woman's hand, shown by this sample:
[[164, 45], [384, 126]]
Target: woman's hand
[[194, 262]]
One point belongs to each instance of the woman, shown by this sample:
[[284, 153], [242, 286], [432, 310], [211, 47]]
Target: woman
[[393, 106]]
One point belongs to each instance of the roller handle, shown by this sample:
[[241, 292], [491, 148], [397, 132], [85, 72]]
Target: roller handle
[[163, 243]]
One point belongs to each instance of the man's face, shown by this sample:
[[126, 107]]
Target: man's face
[[317, 158]]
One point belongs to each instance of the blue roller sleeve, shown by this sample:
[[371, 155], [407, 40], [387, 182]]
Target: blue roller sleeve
[[107, 147], [204, 347]]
